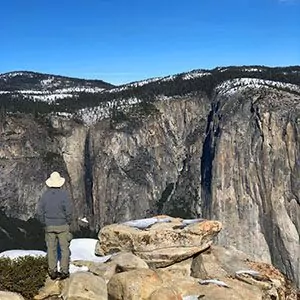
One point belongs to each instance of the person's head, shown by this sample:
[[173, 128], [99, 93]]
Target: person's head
[[55, 180]]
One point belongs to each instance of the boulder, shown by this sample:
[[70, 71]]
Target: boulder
[[127, 261], [231, 290], [183, 285], [236, 290], [165, 293], [51, 288], [10, 296], [218, 262], [247, 278], [134, 285], [106, 270], [180, 269], [161, 244], [119, 262], [85, 286]]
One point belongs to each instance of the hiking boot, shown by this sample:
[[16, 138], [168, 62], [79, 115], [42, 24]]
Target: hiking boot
[[64, 275], [53, 275]]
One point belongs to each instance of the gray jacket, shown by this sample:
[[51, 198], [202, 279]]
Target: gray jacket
[[55, 207]]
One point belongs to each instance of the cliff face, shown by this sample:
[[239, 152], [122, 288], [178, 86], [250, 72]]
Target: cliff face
[[30, 149], [254, 189], [137, 168], [232, 157]]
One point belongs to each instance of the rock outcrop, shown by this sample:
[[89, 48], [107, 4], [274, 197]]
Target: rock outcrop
[[164, 243], [213, 273]]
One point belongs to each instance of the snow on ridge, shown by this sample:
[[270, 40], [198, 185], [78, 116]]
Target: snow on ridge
[[168, 78], [14, 74], [52, 96], [184, 76], [195, 74], [45, 96], [223, 70], [134, 84], [46, 82], [143, 82], [79, 89], [90, 115], [229, 87], [252, 70]]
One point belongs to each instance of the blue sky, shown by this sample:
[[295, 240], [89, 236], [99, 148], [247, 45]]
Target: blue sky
[[126, 40]]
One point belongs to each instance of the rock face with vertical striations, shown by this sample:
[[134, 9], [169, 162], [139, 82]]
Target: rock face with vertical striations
[[220, 144], [255, 175]]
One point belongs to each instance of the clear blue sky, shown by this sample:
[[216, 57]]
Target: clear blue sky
[[125, 40]]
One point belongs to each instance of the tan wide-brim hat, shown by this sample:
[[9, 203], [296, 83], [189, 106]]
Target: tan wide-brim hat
[[55, 180]]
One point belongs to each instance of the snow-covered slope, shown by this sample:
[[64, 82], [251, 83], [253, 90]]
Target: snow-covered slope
[[240, 84], [45, 87], [96, 99], [184, 76], [227, 88]]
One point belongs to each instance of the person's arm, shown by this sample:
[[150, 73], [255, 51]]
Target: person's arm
[[68, 207], [40, 212]]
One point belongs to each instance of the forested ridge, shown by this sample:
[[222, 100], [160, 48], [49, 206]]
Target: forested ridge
[[177, 86]]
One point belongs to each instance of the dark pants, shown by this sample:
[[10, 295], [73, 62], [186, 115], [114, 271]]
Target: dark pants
[[61, 235]]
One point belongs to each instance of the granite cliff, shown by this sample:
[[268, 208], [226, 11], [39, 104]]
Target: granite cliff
[[221, 148]]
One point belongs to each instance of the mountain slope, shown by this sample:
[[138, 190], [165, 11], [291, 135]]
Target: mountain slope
[[59, 92], [46, 87]]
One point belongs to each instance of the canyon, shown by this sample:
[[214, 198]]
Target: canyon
[[231, 155]]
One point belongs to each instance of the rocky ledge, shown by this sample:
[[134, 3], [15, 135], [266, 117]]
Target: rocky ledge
[[164, 258], [160, 241]]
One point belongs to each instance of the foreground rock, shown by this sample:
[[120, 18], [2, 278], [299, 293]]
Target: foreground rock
[[165, 293], [120, 262], [162, 243], [52, 288], [10, 296], [164, 258], [134, 285], [216, 274], [85, 286]]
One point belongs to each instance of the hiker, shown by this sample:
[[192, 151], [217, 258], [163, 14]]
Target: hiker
[[54, 210]]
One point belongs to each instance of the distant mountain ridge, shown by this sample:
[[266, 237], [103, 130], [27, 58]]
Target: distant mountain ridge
[[47, 87], [28, 92], [22, 80]]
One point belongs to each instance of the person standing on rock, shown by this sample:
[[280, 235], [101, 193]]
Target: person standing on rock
[[54, 210]]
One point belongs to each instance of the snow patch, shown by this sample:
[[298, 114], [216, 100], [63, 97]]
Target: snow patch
[[191, 297], [52, 96], [81, 249], [145, 223], [91, 115], [14, 74], [13, 254], [84, 249], [230, 87], [252, 70], [195, 74], [47, 81]]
